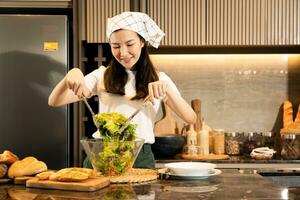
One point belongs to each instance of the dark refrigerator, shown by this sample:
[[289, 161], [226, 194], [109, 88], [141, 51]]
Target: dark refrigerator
[[33, 58]]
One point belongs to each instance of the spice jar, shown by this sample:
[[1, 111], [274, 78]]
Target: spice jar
[[290, 146], [219, 141], [232, 144]]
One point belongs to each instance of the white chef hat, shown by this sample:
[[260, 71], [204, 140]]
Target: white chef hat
[[138, 22]]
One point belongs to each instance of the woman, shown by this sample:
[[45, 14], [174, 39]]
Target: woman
[[128, 80]]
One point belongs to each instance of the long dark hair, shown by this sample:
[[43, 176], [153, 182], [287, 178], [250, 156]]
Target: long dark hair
[[115, 76]]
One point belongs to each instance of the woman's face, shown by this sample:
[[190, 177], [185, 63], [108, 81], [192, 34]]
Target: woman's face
[[126, 47]]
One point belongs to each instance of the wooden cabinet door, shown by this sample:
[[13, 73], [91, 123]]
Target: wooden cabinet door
[[253, 22], [183, 21], [227, 22]]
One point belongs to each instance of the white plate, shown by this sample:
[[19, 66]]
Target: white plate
[[168, 175], [191, 168]]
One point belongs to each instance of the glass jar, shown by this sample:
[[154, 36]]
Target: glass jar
[[232, 144], [219, 141], [249, 143], [258, 138], [242, 140], [268, 140], [290, 146]]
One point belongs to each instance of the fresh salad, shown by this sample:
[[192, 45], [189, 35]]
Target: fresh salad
[[118, 148]]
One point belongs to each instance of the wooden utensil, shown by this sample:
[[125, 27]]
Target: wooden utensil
[[204, 157], [147, 100], [167, 125], [196, 105]]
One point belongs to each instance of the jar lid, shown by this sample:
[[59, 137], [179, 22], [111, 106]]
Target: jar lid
[[267, 134], [249, 134], [231, 134], [218, 131], [289, 136]]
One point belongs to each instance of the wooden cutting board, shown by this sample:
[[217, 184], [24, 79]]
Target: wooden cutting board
[[167, 125], [5, 180], [88, 185], [22, 180], [205, 157]]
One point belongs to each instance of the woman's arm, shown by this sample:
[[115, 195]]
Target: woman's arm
[[160, 89], [69, 90], [180, 107]]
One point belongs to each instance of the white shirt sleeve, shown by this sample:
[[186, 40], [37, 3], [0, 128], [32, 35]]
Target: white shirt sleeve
[[170, 83], [92, 79]]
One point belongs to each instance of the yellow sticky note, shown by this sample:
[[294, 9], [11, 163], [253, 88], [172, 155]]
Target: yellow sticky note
[[50, 46]]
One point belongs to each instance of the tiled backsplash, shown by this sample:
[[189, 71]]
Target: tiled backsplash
[[240, 92]]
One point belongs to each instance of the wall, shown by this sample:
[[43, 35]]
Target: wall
[[238, 92]]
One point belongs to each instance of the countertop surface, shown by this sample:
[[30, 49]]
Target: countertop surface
[[226, 186], [232, 159]]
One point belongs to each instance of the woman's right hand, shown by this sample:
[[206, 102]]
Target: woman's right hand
[[75, 82]]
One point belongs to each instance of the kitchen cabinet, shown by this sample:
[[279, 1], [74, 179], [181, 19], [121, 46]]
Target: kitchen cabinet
[[253, 22], [227, 22], [36, 3]]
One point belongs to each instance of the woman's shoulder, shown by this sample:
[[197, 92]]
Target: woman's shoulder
[[162, 76], [99, 71]]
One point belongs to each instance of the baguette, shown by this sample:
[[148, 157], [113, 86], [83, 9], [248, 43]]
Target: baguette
[[288, 121], [26, 167]]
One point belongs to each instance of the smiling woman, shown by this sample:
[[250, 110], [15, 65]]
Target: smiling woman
[[130, 77]]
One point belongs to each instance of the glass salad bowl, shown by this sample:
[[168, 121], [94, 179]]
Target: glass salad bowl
[[112, 157]]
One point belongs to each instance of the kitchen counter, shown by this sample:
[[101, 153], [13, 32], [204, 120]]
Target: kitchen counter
[[226, 186], [240, 163]]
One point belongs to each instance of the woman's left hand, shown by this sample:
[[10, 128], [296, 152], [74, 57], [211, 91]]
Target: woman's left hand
[[157, 90]]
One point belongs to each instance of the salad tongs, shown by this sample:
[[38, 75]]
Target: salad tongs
[[91, 110], [134, 114]]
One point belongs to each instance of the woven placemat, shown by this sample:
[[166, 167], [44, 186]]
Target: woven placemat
[[135, 175]]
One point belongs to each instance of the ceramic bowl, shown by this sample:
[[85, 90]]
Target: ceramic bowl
[[167, 146]]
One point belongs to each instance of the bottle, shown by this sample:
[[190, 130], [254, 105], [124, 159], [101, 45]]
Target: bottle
[[191, 141], [204, 140], [191, 136]]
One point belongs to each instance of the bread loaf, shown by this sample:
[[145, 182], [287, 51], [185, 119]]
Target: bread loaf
[[287, 114], [26, 167], [3, 170], [8, 157], [297, 119], [73, 174]]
